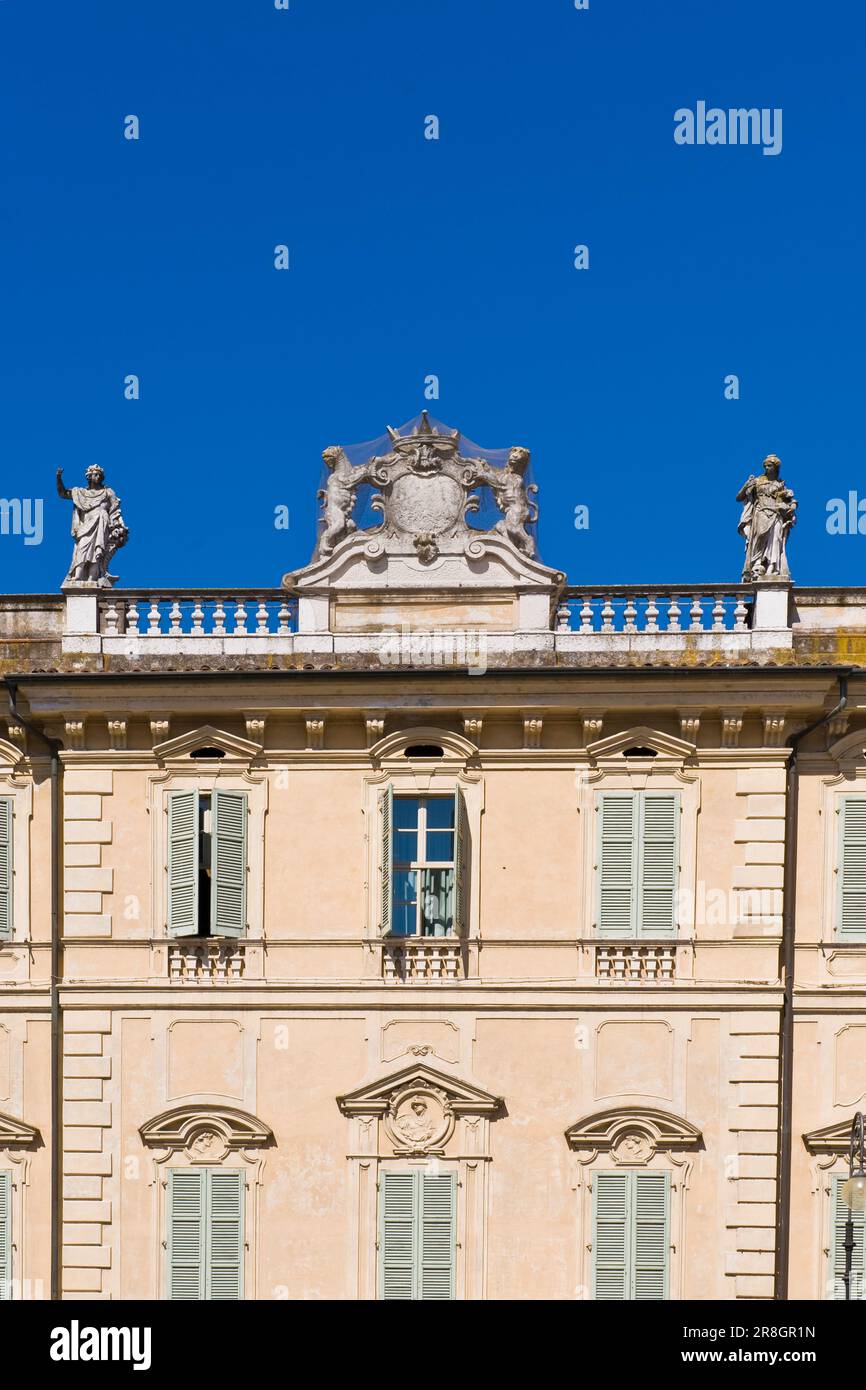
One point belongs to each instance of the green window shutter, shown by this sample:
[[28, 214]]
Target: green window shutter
[[183, 863], [839, 1214], [618, 816], [437, 1235], [186, 1233], [228, 904], [398, 1207], [5, 1236], [461, 865], [386, 806], [657, 869], [851, 872], [610, 1232], [225, 1229], [5, 868], [651, 1242]]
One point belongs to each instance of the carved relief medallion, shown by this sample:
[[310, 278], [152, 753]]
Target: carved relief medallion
[[419, 1120]]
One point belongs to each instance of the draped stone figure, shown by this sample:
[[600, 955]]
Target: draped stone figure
[[769, 512], [98, 530]]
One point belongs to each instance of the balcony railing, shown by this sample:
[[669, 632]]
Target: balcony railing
[[196, 962], [155, 613], [627, 961], [426, 959], [632, 609]]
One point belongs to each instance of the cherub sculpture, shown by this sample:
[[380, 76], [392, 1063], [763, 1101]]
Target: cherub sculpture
[[511, 495], [338, 498]]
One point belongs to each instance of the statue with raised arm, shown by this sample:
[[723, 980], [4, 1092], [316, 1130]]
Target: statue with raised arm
[[768, 514], [511, 495], [338, 498], [98, 530]]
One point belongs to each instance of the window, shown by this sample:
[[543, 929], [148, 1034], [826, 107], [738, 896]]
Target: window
[[839, 1214], [6, 886], [423, 864], [207, 863], [417, 1235], [630, 1239], [205, 1233], [637, 864], [851, 868], [5, 1236]]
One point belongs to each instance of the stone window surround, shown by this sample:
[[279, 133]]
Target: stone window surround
[[17, 1141], [849, 780], [611, 771], [19, 787], [828, 1149], [205, 778], [422, 777]]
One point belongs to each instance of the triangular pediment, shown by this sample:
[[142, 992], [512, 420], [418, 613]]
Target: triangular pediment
[[214, 1126], [207, 736], [16, 1134], [657, 1130], [834, 1138], [665, 746], [375, 1097]]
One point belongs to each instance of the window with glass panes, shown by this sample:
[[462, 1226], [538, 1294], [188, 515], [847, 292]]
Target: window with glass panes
[[423, 866]]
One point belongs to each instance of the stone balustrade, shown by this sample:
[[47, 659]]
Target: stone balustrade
[[632, 961], [242, 613], [197, 962], [424, 959], [665, 609]]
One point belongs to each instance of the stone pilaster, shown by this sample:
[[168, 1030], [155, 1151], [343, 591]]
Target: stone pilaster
[[85, 881], [86, 1159]]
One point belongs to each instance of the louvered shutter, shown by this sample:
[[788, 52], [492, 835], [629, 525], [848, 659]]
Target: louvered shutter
[[610, 1243], [386, 807], [5, 1236], [617, 863], [461, 865], [228, 904], [183, 863], [225, 1229], [650, 1240], [436, 1235], [186, 1233], [851, 872], [657, 867], [839, 1214], [5, 868], [398, 1205]]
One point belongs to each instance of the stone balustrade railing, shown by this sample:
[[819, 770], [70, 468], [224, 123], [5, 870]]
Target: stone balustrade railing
[[155, 613], [623, 961], [631, 609], [196, 962], [424, 959]]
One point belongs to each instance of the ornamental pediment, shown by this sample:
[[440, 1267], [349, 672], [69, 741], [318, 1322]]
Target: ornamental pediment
[[180, 748], [419, 1107], [633, 1134], [206, 1132], [646, 741], [16, 1134], [832, 1139]]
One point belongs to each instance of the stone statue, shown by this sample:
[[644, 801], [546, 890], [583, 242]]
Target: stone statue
[[98, 530], [512, 498], [769, 512], [338, 498], [416, 1125]]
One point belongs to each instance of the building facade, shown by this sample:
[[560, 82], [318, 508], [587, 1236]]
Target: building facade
[[426, 928]]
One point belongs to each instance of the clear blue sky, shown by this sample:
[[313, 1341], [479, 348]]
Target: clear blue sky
[[411, 257]]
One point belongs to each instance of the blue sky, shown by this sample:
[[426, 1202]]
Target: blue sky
[[412, 257]]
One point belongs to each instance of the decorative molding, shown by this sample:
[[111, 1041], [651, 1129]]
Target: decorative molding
[[18, 736], [159, 730], [592, 727], [205, 1132], [374, 728], [315, 734], [455, 748], [446, 1097], [633, 1134], [533, 728], [690, 727], [11, 754], [670, 750], [241, 750], [255, 727], [472, 727], [117, 732], [832, 1139], [837, 728], [848, 752], [74, 732], [774, 730], [732, 727], [16, 1134]]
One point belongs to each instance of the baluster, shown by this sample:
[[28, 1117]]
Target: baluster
[[283, 616], [563, 618], [719, 614], [652, 615], [219, 963], [629, 615], [618, 963], [174, 618], [240, 629], [674, 611], [175, 964], [191, 961], [586, 615], [697, 615], [740, 613], [153, 619], [607, 616], [132, 618], [111, 619], [262, 619], [197, 619], [219, 619], [635, 961], [651, 963]]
